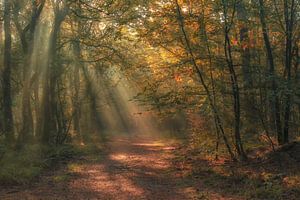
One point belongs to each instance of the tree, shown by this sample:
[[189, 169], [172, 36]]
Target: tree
[[8, 125], [27, 39], [272, 73], [48, 121], [289, 16]]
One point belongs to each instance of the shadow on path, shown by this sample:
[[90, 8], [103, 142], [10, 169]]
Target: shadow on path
[[131, 168]]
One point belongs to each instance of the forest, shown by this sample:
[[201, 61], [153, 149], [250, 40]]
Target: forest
[[150, 99]]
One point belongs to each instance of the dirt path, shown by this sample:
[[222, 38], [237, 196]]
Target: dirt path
[[132, 168]]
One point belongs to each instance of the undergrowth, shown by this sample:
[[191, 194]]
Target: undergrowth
[[22, 167], [266, 175]]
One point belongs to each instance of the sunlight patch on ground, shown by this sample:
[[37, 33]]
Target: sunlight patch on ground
[[74, 167], [149, 144], [127, 185], [106, 182], [169, 148], [119, 157]]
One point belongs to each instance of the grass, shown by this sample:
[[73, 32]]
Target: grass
[[22, 167]]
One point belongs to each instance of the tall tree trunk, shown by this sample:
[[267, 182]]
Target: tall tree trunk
[[1, 68], [245, 43], [26, 35], [289, 22], [272, 72], [76, 100], [76, 79], [48, 122], [234, 85], [27, 118], [204, 38], [7, 97], [249, 98], [216, 115], [97, 121]]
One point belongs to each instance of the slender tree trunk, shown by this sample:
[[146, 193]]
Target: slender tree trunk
[[200, 75], [1, 69], [289, 21], [36, 92], [205, 40], [97, 122], [249, 98], [76, 28], [6, 80], [234, 85], [272, 72], [245, 44], [296, 68], [76, 101]]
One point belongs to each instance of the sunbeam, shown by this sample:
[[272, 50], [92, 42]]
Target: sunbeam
[[149, 99]]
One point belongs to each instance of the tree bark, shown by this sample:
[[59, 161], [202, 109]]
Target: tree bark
[[27, 40], [6, 80], [202, 81], [234, 85], [272, 73], [204, 38], [48, 124], [76, 101], [242, 16], [289, 22]]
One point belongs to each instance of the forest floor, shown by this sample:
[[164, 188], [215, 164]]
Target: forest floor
[[137, 167], [128, 167]]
